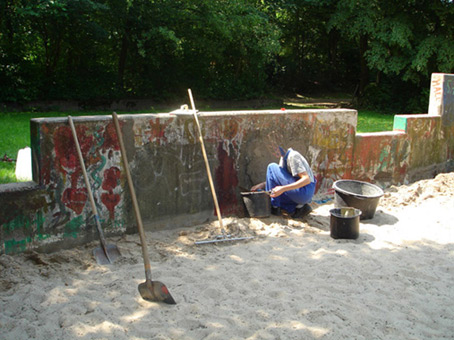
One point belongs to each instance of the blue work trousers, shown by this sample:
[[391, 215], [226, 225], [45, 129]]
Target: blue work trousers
[[275, 175]]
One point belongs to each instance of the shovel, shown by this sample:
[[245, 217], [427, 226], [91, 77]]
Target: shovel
[[154, 291], [107, 253]]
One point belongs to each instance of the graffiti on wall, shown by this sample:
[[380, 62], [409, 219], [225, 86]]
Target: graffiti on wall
[[169, 168], [380, 159], [228, 135], [426, 150], [442, 97], [61, 205], [100, 150], [331, 152], [436, 88], [17, 229], [173, 147], [152, 130]]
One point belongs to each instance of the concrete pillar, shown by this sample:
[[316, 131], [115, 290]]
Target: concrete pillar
[[441, 102]]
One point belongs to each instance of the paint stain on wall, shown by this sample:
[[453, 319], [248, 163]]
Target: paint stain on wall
[[110, 138], [16, 228], [157, 131], [99, 152], [75, 199], [67, 163], [65, 149], [226, 181], [72, 228], [110, 198]]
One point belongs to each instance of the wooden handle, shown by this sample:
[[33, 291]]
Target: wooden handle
[[207, 165], [87, 184], [143, 242]]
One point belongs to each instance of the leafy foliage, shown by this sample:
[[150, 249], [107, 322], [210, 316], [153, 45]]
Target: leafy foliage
[[111, 49], [406, 40], [87, 49]]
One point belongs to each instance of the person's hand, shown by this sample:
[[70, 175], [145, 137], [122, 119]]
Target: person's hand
[[277, 191], [260, 186]]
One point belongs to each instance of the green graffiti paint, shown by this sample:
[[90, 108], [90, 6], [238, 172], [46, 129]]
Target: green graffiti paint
[[39, 222], [14, 247], [97, 171], [72, 228], [20, 222], [26, 225], [118, 224], [400, 123], [383, 159]]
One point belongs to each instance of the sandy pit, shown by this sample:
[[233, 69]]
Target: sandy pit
[[292, 281]]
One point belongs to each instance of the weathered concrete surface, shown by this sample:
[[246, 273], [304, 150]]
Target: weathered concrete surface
[[21, 215], [170, 178], [441, 100], [381, 157], [167, 167]]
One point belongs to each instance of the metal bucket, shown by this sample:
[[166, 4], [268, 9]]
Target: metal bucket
[[257, 203]]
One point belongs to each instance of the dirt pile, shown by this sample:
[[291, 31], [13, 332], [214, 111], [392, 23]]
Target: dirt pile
[[416, 193]]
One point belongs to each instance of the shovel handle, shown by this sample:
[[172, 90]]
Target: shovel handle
[[90, 193], [207, 165], [143, 242]]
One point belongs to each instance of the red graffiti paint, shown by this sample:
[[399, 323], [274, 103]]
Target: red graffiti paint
[[110, 200], [46, 169], [157, 133], [229, 129], [111, 181], [67, 163], [227, 181], [75, 199], [65, 147], [110, 138], [111, 178]]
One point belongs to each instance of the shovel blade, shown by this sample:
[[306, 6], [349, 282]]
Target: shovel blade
[[109, 256], [155, 291]]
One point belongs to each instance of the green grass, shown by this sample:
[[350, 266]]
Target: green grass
[[15, 132], [370, 121], [15, 135], [7, 172]]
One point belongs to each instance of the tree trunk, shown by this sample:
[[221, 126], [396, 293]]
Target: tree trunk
[[364, 69], [122, 59]]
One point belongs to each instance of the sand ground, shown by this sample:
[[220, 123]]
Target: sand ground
[[292, 281]]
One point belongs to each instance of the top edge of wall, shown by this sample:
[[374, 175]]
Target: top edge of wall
[[189, 114]]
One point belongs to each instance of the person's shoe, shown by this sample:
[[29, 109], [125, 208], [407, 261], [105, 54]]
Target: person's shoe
[[302, 212], [276, 211]]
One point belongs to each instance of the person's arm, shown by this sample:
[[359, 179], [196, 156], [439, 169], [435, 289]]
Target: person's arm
[[303, 180], [260, 186]]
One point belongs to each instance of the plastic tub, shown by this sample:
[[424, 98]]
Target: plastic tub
[[361, 195], [344, 223], [257, 203]]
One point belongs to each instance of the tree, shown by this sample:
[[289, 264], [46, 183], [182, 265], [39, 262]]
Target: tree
[[220, 48], [410, 39], [101, 49]]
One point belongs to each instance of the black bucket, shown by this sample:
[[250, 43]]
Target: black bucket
[[360, 195], [257, 203], [344, 223]]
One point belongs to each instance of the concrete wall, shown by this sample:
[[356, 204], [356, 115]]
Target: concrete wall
[[169, 173]]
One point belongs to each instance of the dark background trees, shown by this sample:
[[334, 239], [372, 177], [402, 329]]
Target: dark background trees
[[383, 52]]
